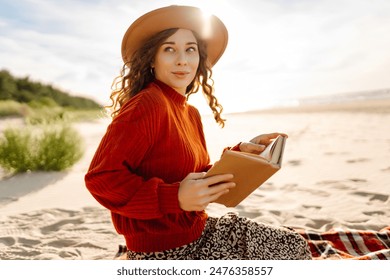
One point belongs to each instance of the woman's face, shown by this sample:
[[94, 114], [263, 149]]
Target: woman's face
[[177, 60]]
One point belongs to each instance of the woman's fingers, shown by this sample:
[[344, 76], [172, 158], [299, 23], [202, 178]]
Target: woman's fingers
[[259, 143], [196, 176], [196, 192], [215, 179], [251, 147], [220, 188], [266, 138]]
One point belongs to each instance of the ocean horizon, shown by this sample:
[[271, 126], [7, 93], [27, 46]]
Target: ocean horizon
[[329, 99], [380, 94]]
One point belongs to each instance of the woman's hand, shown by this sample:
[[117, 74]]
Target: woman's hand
[[259, 143], [196, 192]]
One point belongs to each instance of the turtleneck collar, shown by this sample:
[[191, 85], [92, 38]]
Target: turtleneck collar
[[171, 93]]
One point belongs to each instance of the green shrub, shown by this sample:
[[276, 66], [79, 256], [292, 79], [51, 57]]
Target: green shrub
[[42, 102], [12, 108], [58, 149], [16, 150], [46, 148], [46, 115]]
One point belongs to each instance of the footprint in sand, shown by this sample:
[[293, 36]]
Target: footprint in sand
[[61, 243], [7, 241], [289, 187], [373, 196], [314, 192], [66, 254], [329, 153], [357, 180], [275, 212], [316, 207], [374, 213], [327, 182], [336, 153], [11, 230], [57, 226], [341, 185], [334, 184], [357, 160], [6, 200], [294, 162], [320, 224], [28, 242]]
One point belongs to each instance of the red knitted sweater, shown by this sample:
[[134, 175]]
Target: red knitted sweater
[[153, 143]]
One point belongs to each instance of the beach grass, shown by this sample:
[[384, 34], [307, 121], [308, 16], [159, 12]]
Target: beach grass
[[46, 140], [40, 148], [11, 108]]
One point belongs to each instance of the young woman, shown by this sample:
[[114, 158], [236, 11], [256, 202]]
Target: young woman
[[149, 167]]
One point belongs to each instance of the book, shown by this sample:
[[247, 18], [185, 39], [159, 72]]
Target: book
[[250, 170]]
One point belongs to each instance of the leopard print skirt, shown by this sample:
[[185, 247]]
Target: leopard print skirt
[[232, 237]]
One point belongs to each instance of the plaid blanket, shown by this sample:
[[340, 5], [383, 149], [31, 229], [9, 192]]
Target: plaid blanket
[[349, 244]]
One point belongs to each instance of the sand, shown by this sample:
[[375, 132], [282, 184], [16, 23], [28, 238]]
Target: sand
[[335, 174]]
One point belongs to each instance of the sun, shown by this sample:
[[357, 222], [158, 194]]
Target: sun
[[221, 8]]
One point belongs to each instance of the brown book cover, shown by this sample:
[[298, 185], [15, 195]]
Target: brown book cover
[[249, 170]]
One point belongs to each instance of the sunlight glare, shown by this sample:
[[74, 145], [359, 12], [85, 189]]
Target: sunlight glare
[[206, 32]]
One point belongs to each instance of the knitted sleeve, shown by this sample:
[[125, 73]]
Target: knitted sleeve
[[113, 180]]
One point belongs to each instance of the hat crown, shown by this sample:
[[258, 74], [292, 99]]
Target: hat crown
[[209, 28]]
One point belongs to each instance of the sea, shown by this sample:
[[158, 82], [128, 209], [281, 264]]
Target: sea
[[381, 94]]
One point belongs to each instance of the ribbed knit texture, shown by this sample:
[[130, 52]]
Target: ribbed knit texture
[[156, 140]]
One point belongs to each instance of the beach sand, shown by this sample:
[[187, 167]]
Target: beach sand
[[335, 174]]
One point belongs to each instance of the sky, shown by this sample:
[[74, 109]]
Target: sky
[[278, 50]]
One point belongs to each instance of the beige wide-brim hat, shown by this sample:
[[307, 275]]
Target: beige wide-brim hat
[[210, 29]]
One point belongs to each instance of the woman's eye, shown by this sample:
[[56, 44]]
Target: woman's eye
[[191, 49], [169, 49]]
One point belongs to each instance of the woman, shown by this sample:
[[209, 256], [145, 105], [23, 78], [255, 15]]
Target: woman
[[149, 167]]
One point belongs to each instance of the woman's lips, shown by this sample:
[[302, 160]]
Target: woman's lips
[[180, 73]]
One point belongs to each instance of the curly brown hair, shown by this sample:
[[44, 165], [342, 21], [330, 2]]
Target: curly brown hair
[[136, 74]]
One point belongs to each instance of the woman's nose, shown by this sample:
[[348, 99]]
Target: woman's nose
[[181, 58]]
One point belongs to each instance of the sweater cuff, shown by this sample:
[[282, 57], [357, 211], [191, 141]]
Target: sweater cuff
[[169, 200], [234, 148]]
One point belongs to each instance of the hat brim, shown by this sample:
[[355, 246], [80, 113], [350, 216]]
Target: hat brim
[[210, 29]]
